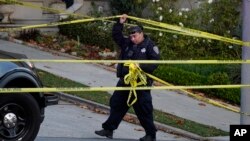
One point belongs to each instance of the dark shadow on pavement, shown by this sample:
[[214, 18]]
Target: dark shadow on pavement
[[81, 139]]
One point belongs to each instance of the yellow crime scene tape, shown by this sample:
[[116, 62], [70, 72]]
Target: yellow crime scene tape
[[84, 89], [56, 23], [133, 61], [68, 13], [190, 31], [131, 79], [77, 89], [174, 29], [201, 98], [135, 74]]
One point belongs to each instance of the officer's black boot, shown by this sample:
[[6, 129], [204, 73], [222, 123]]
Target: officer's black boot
[[147, 138], [106, 133]]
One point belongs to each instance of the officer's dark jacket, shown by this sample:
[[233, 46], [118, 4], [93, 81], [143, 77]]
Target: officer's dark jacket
[[129, 51]]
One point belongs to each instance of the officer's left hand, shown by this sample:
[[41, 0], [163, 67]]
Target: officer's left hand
[[123, 18]]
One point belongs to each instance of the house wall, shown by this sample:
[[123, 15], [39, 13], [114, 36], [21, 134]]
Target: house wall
[[27, 12]]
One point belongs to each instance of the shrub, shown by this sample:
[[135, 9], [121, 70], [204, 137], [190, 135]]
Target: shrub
[[219, 78], [29, 34], [93, 33], [178, 76], [131, 7], [208, 17]]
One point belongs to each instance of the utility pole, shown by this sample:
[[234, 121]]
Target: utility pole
[[245, 68]]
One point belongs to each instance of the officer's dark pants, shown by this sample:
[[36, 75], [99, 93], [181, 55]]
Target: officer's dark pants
[[143, 109]]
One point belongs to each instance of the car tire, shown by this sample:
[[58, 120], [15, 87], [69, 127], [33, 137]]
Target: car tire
[[19, 117]]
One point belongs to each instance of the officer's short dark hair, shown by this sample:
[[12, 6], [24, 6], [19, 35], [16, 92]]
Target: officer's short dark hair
[[134, 29]]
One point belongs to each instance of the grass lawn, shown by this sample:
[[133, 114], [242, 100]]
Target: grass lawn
[[50, 80]]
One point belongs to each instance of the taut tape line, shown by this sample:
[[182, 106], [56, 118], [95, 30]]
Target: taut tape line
[[182, 30], [133, 61], [68, 89], [190, 31]]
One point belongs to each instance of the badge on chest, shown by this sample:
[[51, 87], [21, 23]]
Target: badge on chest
[[143, 50]]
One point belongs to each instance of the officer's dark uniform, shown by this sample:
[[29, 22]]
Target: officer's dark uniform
[[118, 102]]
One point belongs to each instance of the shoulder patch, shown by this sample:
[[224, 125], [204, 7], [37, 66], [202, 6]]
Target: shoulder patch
[[156, 49]]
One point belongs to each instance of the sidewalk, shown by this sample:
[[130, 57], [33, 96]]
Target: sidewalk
[[168, 101], [70, 122]]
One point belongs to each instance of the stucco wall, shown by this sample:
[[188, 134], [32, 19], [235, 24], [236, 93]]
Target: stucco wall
[[25, 12]]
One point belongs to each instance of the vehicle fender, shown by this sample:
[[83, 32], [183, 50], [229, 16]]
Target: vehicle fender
[[20, 73]]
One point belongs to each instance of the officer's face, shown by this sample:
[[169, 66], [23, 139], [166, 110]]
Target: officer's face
[[136, 37]]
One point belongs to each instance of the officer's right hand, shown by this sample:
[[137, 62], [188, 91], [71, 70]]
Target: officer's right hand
[[123, 18]]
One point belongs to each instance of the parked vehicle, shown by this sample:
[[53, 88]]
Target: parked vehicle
[[21, 113]]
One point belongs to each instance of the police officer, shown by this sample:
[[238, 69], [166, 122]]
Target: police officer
[[137, 47]]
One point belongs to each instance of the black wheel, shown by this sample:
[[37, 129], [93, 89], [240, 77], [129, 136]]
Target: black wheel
[[19, 117]]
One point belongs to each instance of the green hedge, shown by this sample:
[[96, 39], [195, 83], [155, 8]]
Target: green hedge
[[92, 33], [219, 78], [180, 76]]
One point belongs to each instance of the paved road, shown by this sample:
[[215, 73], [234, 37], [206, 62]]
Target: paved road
[[67, 122]]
